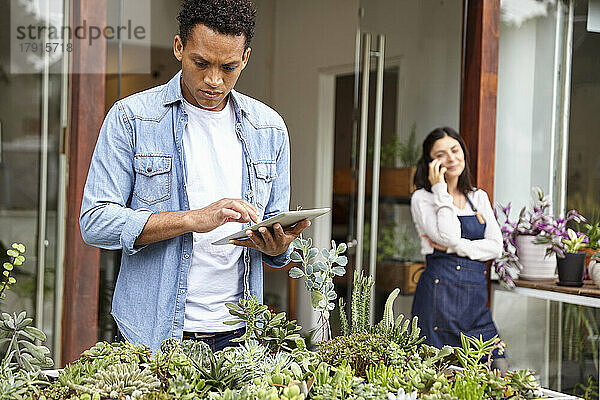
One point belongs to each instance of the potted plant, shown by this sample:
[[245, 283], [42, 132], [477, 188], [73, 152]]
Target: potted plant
[[398, 166], [570, 267], [398, 254], [593, 234], [594, 268], [532, 243]]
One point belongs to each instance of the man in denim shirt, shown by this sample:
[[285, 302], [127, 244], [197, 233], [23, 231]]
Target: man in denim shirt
[[180, 165]]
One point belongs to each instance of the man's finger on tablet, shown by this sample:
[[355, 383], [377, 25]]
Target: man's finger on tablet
[[240, 207], [228, 214], [252, 213]]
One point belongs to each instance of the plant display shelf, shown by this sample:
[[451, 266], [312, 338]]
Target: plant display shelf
[[558, 396], [586, 295]]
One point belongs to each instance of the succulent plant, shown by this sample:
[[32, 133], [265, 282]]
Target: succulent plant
[[117, 352], [16, 258], [15, 383], [319, 276], [118, 380], [402, 395], [270, 329], [17, 332]]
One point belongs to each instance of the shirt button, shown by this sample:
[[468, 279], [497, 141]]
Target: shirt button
[[435, 328], [187, 256], [458, 267], [149, 169], [182, 291], [436, 281]]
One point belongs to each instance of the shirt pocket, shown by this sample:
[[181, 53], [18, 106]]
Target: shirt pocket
[[265, 172], [152, 177]]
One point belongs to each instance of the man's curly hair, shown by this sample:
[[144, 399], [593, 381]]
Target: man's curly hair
[[228, 17]]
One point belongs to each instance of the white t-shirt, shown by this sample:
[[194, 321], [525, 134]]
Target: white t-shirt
[[436, 216], [213, 156]]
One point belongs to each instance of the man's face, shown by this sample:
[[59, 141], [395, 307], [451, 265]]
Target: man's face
[[211, 64]]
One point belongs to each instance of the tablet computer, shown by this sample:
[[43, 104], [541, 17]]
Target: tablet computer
[[286, 219]]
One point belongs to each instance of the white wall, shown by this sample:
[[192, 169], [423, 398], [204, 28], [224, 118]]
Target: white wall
[[524, 152], [299, 44], [524, 111]]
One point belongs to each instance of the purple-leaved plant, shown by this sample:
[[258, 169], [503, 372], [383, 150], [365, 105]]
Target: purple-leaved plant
[[537, 222], [507, 266]]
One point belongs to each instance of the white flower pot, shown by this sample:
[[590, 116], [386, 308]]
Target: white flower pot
[[536, 266], [594, 272]]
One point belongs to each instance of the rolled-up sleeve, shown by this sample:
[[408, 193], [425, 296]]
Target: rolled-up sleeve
[[105, 219]]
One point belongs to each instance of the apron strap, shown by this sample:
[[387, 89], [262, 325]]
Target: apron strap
[[471, 204], [477, 213]]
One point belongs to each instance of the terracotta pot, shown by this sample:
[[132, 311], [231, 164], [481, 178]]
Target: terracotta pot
[[570, 269], [536, 265], [588, 255]]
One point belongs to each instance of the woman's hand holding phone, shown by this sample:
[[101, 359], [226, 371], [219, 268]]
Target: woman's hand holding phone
[[436, 172]]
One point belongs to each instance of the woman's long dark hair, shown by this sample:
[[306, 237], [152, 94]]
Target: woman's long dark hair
[[465, 183]]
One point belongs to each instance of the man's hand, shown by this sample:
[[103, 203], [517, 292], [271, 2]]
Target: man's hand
[[434, 244], [220, 212], [272, 244]]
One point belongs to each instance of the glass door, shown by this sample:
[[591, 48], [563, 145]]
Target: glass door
[[406, 82], [32, 159]]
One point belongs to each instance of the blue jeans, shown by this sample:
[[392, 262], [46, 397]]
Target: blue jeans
[[217, 341]]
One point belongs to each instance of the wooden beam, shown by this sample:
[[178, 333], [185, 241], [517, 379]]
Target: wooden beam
[[82, 262], [479, 88]]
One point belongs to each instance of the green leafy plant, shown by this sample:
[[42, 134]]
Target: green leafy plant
[[16, 383], [588, 391], [523, 383], [393, 242], [409, 150], [473, 350], [319, 276], [406, 151], [272, 330], [17, 331], [16, 258], [468, 388], [361, 294], [593, 234], [580, 325], [574, 243]]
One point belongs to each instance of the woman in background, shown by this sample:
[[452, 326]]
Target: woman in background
[[459, 233]]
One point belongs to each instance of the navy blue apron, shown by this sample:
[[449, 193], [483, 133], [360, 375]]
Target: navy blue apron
[[451, 295]]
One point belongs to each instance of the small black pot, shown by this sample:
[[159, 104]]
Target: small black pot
[[570, 269]]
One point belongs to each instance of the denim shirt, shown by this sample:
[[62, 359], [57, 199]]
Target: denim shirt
[[138, 168]]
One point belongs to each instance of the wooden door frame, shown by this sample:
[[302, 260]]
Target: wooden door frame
[[86, 113], [479, 90]]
